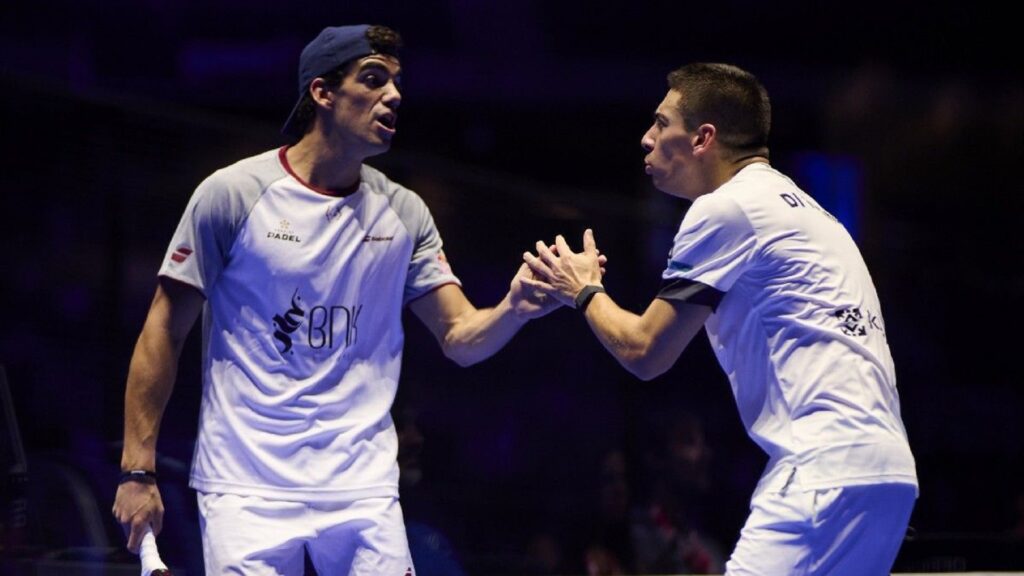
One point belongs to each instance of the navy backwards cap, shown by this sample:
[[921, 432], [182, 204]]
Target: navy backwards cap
[[334, 46]]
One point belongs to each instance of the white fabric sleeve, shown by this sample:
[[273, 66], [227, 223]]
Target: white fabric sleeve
[[199, 248], [428, 266], [715, 244]]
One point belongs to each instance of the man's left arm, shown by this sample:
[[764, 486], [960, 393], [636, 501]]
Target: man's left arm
[[468, 334], [646, 344]]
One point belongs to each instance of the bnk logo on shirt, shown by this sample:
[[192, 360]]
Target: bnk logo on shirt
[[323, 326]]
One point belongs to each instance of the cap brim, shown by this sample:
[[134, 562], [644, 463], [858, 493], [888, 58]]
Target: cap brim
[[291, 127]]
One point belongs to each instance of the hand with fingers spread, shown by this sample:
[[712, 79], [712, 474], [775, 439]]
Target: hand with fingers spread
[[562, 273]]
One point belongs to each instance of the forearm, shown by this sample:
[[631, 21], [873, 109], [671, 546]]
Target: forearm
[[150, 381], [648, 344], [151, 376], [621, 333], [477, 334]]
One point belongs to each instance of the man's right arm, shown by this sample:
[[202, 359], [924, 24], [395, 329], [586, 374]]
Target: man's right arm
[[151, 376], [648, 344]]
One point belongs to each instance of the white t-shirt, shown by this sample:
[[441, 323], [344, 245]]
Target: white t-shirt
[[302, 333], [797, 327]]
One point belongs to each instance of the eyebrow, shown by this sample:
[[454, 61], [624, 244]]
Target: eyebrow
[[371, 64]]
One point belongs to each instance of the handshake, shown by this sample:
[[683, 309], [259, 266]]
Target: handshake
[[556, 275]]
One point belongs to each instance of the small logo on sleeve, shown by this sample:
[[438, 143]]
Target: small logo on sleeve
[[678, 266], [443, 261], [181, 253]]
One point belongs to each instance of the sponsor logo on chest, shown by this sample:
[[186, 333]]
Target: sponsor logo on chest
[[318, 326], [283, 232]]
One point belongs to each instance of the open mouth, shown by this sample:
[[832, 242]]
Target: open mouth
[[388, 121]]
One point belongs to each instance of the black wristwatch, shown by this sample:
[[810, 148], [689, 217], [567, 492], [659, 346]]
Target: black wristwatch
[[140, 476], [585, 295]]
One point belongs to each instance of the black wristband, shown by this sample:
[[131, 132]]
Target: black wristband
[[141, 476], [586, 295]]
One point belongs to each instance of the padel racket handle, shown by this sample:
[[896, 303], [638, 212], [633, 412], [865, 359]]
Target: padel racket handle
[[152, 565]]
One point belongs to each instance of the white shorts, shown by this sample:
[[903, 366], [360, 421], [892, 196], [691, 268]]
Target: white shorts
[[852, 530], [259, 537]]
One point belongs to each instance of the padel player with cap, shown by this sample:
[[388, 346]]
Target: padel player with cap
[[301, 260]]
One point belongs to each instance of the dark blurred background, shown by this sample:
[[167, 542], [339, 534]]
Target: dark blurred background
[[520, 120]]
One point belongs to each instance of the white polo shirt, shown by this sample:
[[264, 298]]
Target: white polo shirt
[[797, 327], [302, 332]]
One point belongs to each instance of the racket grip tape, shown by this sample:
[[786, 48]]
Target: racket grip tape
[[152, 565]]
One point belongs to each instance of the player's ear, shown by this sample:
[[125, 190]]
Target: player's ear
[[321, 92], [703, 137]]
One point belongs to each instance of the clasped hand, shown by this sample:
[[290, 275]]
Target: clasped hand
[[560, 273]]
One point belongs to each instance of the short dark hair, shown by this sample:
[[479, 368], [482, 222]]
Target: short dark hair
[[729, 98], [382, 39]]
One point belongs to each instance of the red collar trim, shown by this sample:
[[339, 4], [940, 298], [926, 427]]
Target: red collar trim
[[283, 157]]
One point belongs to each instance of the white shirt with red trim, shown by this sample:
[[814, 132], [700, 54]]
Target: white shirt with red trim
[[302, 332], [798, 331]]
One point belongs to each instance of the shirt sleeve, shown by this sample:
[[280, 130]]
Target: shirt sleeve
[[199, 249], [715, 245], [428, 266]]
